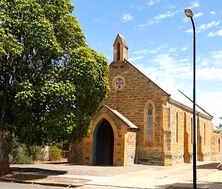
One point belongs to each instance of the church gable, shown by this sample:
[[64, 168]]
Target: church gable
[[129, 88]]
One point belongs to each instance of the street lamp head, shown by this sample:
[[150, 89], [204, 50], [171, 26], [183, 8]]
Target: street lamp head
[[188, 12]]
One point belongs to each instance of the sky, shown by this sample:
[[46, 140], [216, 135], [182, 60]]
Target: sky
[[159, 37]]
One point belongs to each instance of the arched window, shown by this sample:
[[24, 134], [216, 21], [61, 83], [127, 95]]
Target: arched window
[[149, 126], [118, 51]]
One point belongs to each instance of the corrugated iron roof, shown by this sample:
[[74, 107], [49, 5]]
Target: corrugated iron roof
[[174, 94]]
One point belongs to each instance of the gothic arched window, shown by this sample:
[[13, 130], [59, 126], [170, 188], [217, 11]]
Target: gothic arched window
[[149, 126]]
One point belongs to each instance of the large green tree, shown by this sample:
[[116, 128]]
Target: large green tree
[[51, 82]]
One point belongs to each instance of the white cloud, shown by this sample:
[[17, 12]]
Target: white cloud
[[132, 59], [189, 30], [209, 66], [174, 66], [164, 61], [165, 15], [158, 50], [185, 19], [141, 51], [166, 66], [198, 15], [209, 25], [207, 73], [157, 19], [217, 33], [141, 26], [153, 2], [195, 4], [181, 27], [212, 12], [216, 55], [205, 27], [212, 105], [127, 17], [184, 48], [160, 17], [171, 6], [172, 50]]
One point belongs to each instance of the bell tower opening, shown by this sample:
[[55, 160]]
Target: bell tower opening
[[118, 51]]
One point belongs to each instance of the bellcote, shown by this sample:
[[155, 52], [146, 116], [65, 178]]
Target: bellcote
[[120, 49]]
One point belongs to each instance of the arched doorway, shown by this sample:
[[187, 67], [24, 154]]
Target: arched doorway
[[103, 144]]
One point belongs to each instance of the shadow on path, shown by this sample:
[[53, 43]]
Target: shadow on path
[[24, 174], [190, 186], [38, 170], [41, 176], [208, 166]]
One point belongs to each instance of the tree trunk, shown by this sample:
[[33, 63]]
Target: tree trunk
[[4, 136], [4, 152]]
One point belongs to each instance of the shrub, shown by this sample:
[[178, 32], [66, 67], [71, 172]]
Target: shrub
[[36, 152], [20, 155], [54, 153]]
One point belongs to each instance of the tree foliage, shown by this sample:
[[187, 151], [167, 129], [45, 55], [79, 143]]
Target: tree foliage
[[51, 82]]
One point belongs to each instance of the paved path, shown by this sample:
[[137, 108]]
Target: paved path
[[137, 176], [25, 186]]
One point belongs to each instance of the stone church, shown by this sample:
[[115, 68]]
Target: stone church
[[141, 121]]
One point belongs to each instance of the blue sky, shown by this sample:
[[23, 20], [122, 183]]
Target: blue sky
[[159, 38]]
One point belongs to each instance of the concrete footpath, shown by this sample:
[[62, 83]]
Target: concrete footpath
[[136, 176]]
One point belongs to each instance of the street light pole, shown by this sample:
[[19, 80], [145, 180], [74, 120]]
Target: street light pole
[[189, 14]]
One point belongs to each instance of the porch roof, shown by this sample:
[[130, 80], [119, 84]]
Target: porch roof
[[122, 118]]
